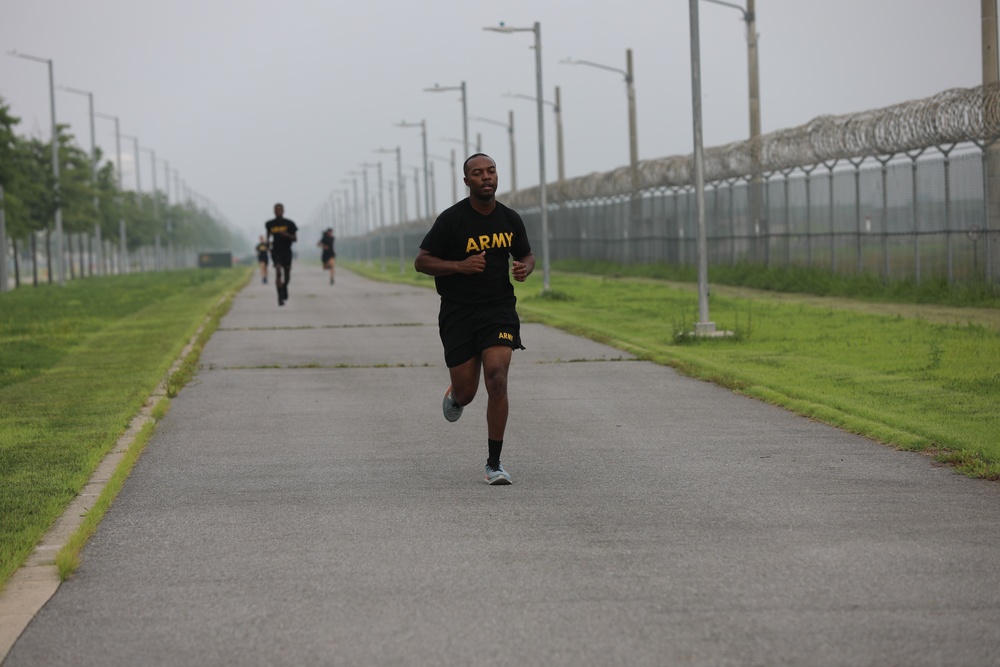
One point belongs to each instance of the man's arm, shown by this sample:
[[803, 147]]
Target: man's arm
[[435, 266], [522, 268]]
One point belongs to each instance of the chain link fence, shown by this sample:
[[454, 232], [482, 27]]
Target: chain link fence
[[910, 191]]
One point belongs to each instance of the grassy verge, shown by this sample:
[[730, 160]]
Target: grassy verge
[[76, 364], [918, 377]]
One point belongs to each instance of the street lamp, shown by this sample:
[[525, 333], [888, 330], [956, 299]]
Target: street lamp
[[123, 246], [454, 176], [630, 92], [381, 210], [427, 186], [364, 191], [93, 141], [749, 16], [704, 326], [138, 181], [416, 187], [152, 162], [399, 179], [60, 270], [510, 135], [537, 30], [465, 110], [557, 112], [353, 210], [93, 175]]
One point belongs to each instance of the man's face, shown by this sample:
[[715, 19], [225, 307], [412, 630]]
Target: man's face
[[279, 211], [482, 177]]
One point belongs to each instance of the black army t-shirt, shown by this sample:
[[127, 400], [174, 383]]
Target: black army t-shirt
[[281, 245], [461, 231]]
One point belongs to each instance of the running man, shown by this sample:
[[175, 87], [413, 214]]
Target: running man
[[329, 255], [281, 233], [262, 249], [468, 251]]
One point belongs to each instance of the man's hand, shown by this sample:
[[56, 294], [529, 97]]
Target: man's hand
[[472, 264], [521, 270]]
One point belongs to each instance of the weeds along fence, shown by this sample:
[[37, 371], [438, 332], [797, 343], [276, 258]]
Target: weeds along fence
[[909, 191]]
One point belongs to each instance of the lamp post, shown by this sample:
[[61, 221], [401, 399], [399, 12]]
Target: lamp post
[[756, 199], [633, 142], [991, 163], [156, 203], [60, 270], [454, 177], [557, 112], [93, 176], [381, 210], [416, 186], [351, 208], [465, 110], [93, 142], [348, 208], [537, 30], [123, 246], [509, 125], [152, 162], [399, 179], [138, 181], [703, 326], [427, 186], [364, 193]]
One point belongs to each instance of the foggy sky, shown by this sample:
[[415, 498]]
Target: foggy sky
[[257, 101]]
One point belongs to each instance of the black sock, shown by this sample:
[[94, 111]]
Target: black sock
[[494, 458]]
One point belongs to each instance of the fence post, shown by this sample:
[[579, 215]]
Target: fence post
[[788, 219], [916, 218], [857, 214], [809, 249], [885, 216], [833, 234], [947, 211]]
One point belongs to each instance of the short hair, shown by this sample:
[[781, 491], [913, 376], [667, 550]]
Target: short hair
[[465, 165]]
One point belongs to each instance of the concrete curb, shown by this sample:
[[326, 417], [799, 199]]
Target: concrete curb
[[37, 580]]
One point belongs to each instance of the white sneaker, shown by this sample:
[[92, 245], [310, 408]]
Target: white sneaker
[[497, 476], [452, 410]]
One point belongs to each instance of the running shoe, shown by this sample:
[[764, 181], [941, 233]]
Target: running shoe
[[452, 410], [497, 476]]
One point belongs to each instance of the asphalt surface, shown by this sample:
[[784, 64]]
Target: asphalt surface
[[304, 502]]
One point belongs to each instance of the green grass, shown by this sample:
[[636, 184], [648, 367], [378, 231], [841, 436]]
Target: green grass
[[76, 364], [883, 365]]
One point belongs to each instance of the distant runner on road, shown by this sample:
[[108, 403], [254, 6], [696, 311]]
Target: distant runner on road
[[281, 233], [262, 249], [329, 254]]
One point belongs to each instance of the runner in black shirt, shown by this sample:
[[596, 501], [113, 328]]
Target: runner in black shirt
[[281, 233], [262, 249], [468, 252], [329, 255]]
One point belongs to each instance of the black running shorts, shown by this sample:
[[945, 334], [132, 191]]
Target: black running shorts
[[281, 258], [468, 330]]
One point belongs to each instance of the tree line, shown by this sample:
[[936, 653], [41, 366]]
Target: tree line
[[91, 201]]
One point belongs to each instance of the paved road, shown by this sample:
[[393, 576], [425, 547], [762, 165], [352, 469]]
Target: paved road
[[305, 503]]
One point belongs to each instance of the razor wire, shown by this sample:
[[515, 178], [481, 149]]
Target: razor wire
[[950, 117]]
